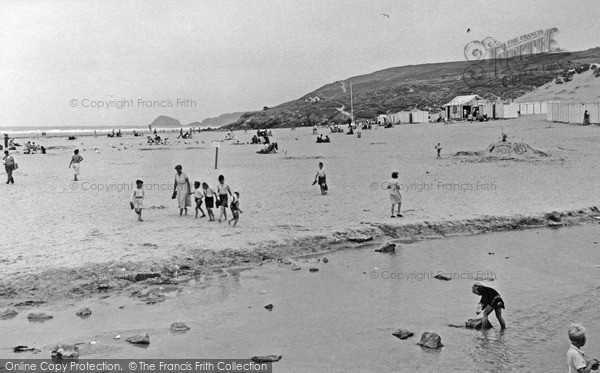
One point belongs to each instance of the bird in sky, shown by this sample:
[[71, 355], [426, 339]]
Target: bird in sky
[[468, 30], [385, 15]]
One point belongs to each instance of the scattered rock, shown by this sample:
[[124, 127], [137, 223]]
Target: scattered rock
[[474, 323], [84, 312], [64, 351], [145, 276], [29, 303], [403, 333], [269, 307], [295, 267], [554, 216], [360, 239], [139, 339], [8, 314], [25, 349], [387, 248], [179, 327], [430, 340], [39, 316], [325, 260], [266, 359], [313, 269], [442, 277]]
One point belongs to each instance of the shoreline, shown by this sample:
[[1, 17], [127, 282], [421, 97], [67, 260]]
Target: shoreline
[[142, 280]]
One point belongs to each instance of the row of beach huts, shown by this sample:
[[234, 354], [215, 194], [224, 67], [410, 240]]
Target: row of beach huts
[[461, 107]]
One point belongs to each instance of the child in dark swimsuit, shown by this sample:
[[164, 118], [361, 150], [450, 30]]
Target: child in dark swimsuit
[[490, 301], [235, 209]]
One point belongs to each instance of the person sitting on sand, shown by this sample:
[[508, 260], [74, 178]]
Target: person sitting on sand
[[490, 301], [235, 209], [327, 139], [181, 190], [198, 197], [76, 163], [209, 200], [395, 196], [321, 178], [320, 138], [576, 361], [137, 199]]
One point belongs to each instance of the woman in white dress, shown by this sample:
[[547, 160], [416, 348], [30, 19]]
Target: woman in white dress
[[181, 190], [395, 196]]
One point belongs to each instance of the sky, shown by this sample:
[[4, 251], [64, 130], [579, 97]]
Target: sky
[[120, 63]]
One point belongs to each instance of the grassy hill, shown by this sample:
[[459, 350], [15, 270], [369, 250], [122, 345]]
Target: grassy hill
[[426, 87]]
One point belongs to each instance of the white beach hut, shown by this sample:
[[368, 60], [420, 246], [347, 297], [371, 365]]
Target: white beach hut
[[461, 106]]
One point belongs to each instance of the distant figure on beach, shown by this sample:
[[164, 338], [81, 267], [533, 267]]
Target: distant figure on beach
[[6, 140], [438, 148], [76, 163], [439, 119], [209, 200], [315, 131], [137, 199], [490, 301], [395, 196], [181, 190], [235, 209], [198, 197], [586, 118], [321, 179], [327, 139], [576, 361], [9, 166], [223, 191]]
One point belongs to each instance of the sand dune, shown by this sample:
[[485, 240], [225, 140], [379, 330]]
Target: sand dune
[[583, 88]]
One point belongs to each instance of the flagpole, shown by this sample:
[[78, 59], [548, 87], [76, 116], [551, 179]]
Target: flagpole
[[351, 103]]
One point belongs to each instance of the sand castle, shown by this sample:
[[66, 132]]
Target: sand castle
[[505, 150]]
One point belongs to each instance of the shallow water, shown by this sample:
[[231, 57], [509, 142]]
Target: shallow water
[[340, 319]]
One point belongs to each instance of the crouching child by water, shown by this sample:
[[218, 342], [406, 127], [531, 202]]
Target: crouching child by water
[[137, 199], [235, 209], [490, 301], [576, 360]]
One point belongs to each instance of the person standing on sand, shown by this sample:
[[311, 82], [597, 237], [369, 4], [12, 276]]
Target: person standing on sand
[[586, 118], [395, 196], [490, 301], [576, 361], [438, 148], [198, 197], [9, 166], [137, 199], [223, 191], [75, 162], [321, 178], [181, 190], [209, 200]]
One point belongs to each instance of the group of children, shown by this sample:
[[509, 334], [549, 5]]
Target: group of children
[[203, 193]]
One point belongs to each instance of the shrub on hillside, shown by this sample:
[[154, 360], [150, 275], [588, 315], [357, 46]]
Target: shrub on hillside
[[559, 81]]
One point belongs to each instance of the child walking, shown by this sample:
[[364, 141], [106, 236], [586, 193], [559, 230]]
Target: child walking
[[321, 178], [235, 209], [209, 200], [198, 197], [137, 199]]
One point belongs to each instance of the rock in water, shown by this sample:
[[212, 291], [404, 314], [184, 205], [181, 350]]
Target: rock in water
[[430, 340], [179, 327], [313, 269], [139, 339], [360, 239], [8, 314], [442, 277], [269, 307], [554, 216], [403, 333], [145, 276], [39, 316], [64, 351], [474, 323], [325, 260], [84, 312], [387, 248], [266, 359]]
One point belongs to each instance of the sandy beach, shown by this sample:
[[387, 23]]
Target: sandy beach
[[74, 227]]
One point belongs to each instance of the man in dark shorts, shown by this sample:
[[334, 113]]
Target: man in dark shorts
[[490, 301]]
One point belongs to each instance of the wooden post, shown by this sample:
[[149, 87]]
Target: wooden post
[[216, 157]]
